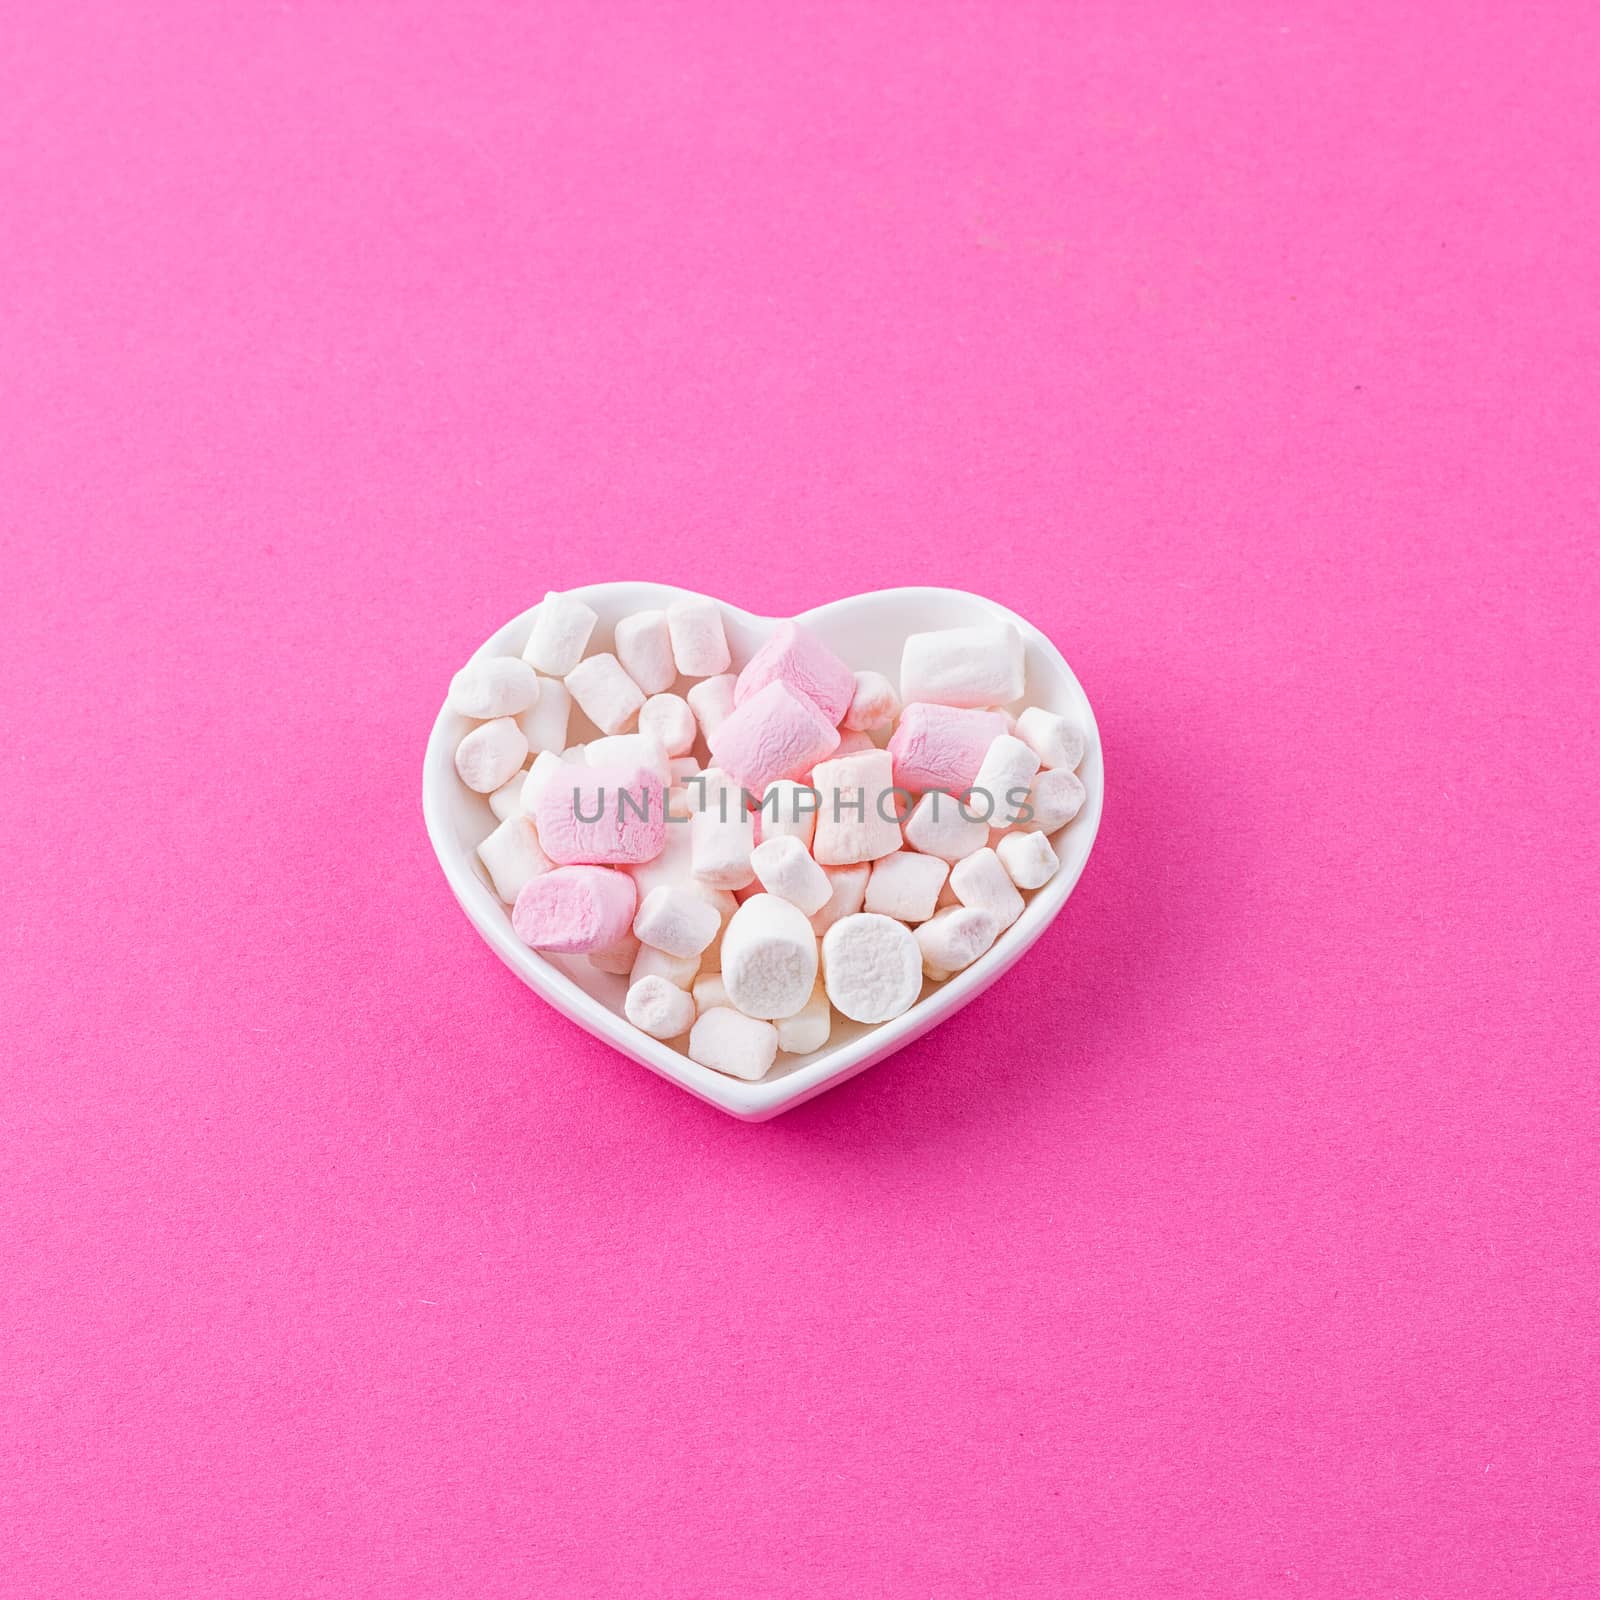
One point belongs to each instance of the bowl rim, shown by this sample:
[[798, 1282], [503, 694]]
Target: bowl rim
[[767, 1097]]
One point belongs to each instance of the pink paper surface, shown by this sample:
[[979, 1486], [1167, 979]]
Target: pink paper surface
[[1243, 1241]]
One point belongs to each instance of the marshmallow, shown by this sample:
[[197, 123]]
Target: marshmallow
[[808, 1028], [709, 991], [650, 962], [906, 886], [645, 650], [668, 720], [683, 767], [873, 705], [546, 765], [872, 967], [499, 686], [773, 733], [544, 724], [739, 1046], [618, 958], [937, 826], [849, 890], [490, 754], [713, 790], [603, 815], [851, 744], [720, 846], [785, 868], [660, 1008], [677, 920], [857, 817], [769, 957], [1056, 798], [954, 939], [1029, 861], [506, 801], [983, 884], [1004, 778], [979, 666], [672, 865], [573, 755], [573, 910], [788, 809], [711, 702], [1056, 742], [606, 695], [941, 747], [512, 857], [629, 750], [699, 640], [806, 665], [561, 629]]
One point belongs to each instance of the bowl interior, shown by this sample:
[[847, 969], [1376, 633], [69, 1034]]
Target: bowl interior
[[868, 632]]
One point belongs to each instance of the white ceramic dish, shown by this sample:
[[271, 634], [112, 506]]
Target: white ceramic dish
[[867, 630]]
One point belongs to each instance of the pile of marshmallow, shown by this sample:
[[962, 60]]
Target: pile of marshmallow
[[767, 847]]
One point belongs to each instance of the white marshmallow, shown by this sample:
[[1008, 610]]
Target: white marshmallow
[[506, 801], [659, 1008], [573, 755], [606, 695], [1029, 861], [788, 810], [713, 790], [982, 883], [954, 939], [937, 827], [667, 717], [979, 666], [683, 767], [629, 750], [617, 958], [712, 702], [544, 724], [873, 705], [673, 866], [849, 890], [1056, 742], [678, 921], [809, 1027], [1004, 778], [906, 886], [561, 629], [500, 686], [644, 648], [490, 754], [650, 962], [546, 765], [1056, 798], [699, 640], [872, 967], [727, 1042], [709, 991], [720, 847], [856, 817], [785, 868], [769, 957], [512, 857]]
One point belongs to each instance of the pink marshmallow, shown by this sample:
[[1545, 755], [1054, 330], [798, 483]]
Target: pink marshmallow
[[807, 665], [602, 815], [775, 733], [574, 910], [941, 747]]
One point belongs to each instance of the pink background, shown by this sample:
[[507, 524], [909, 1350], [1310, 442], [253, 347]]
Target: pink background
[[1244, 1240]]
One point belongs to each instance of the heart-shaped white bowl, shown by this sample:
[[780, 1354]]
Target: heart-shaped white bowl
[[867, 631]]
